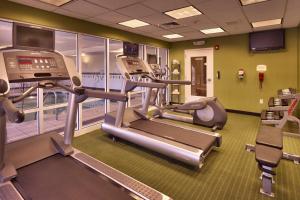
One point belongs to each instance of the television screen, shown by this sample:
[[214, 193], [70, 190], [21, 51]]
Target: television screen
[[151, 59], [27, 37], [267, 40], [130, 49]]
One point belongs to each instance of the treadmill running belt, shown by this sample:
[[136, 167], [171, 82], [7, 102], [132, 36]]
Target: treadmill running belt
[[181, 135], [64, 178]]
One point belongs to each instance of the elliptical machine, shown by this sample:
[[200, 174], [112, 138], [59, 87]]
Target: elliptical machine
[[207, 111]]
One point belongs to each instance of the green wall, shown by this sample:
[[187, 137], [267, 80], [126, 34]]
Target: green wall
[[17, 12], [283, 66], [282, 69]]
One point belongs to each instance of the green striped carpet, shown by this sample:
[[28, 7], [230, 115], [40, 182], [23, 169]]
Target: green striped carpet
[[228, 173]]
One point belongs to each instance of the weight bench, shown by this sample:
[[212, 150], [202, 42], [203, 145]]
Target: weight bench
[[268, 153]]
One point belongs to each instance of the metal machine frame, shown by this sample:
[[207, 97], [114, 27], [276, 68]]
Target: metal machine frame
[[118, 123], [30, 150], [206, 111], [288, 111]]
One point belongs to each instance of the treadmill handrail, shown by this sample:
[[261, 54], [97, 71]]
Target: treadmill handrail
[[151, 84], [170, 82], [105, 95], [12, 112]]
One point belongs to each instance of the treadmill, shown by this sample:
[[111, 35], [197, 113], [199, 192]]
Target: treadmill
[[46, 166], [190, 146]]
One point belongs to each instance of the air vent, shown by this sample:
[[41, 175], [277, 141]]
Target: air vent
[[170, 25]]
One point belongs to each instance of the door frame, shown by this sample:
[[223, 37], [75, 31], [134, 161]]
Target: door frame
[[209, 53]]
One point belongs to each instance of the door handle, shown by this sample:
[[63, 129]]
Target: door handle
[[209, 80]]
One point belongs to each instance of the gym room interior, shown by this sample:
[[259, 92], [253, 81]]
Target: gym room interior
[[149, 99]]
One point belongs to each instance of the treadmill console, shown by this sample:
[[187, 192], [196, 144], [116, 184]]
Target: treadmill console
[[134, 66], [34, 66]]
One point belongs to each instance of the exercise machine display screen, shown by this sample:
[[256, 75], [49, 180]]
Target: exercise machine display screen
[[135, 66], [34, 66], [26, 37], [33, 63], [130, 49]]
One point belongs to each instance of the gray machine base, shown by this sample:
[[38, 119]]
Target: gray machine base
[[8, 172]]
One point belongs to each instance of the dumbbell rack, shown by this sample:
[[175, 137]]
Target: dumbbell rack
[[288, 111]]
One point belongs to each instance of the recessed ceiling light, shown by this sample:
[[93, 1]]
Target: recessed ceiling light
[[135, 23], [248, 2], [185, 12], [212, 30], [56, 2], [173, 36], [266, 23]]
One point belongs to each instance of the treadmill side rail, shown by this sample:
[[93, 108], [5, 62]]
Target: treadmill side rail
[[137, 188], [178, 151], [9, 192]]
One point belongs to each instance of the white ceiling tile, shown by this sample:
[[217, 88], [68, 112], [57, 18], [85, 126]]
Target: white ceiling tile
[[157, 19], [100, 21], [136, 11], [114, 4], [197, 21], [150, 29], [267, 28], [111, 16], [292, 16], [267, 10], [182, 29], [195, 34], [85, 8], [36, 4], [227, 15], [166, 5], [70, 13]]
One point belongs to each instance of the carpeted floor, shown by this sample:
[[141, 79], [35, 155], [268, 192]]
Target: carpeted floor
[[228, 173]]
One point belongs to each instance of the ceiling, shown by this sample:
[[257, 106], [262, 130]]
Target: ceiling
[[227, 14]]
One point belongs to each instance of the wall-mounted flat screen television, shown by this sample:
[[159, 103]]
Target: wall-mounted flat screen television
[[33, 38], [130, 49], [267, 40]]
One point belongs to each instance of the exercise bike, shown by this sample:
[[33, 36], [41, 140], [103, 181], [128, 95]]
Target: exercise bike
[[207, 111]]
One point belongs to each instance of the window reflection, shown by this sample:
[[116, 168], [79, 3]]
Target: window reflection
[[151, 55], [92, 53], [5, 34], [50, 112], [26, 129], [55, 120]]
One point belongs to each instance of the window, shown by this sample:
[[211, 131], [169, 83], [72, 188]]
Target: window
[[5, 34], [151, 55], [46, 109], [92, 56], [136, 97], [115, 79], [53, 108]]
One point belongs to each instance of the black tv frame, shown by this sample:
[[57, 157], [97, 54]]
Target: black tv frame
[[16, 46], [269, 48]]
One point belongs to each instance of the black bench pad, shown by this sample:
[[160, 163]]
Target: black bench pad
[[267, 156], [270, 136]]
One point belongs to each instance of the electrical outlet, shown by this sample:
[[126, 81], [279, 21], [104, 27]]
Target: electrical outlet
[[261, 101]]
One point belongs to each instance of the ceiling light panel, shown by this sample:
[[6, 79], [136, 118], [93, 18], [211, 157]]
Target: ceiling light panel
[[173, 36], [56, 2], [212, 30], [185, 12], [248, 2], [266, 23], [135, 23]]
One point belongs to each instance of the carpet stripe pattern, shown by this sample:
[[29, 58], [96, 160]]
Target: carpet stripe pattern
[[229, 172]]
